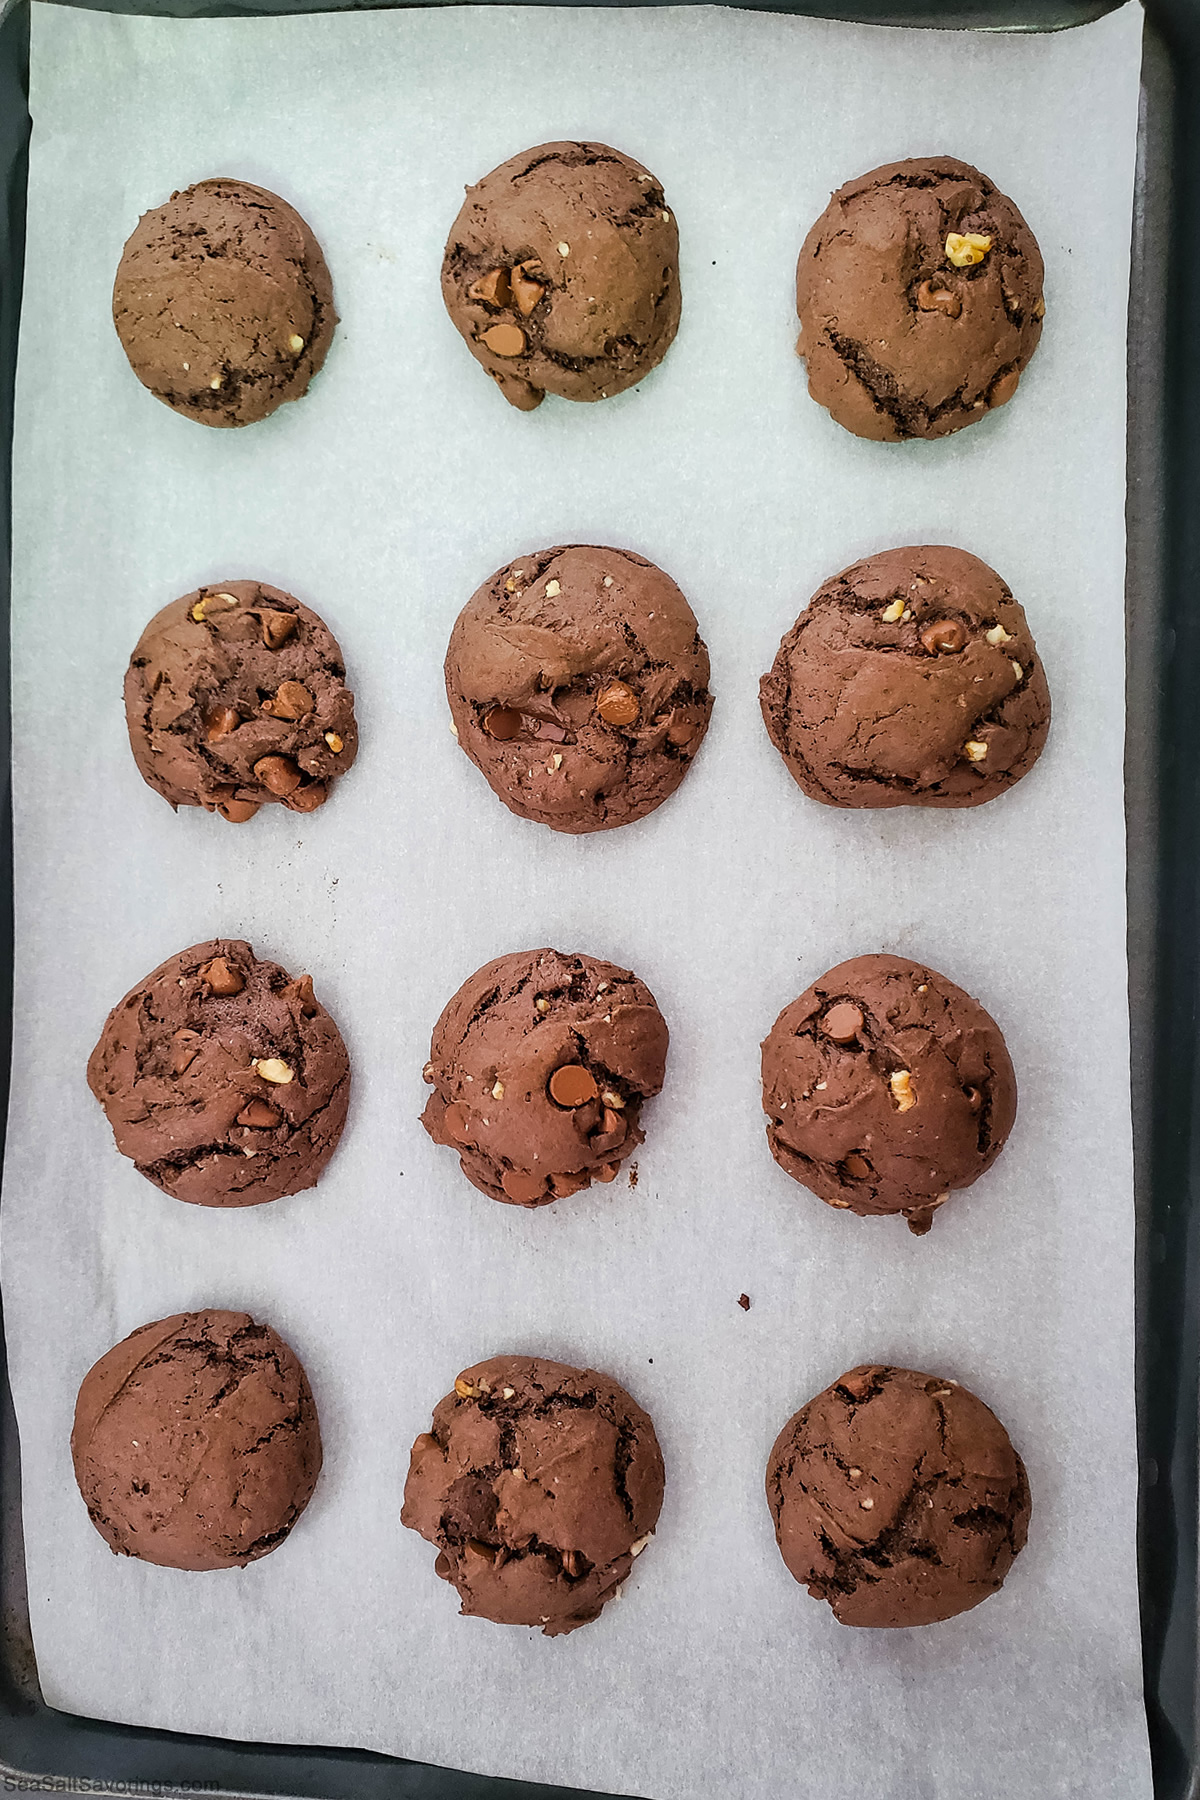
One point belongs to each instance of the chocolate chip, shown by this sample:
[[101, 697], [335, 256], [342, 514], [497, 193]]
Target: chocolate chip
[[945, 635], [934, 299], [260, 1114], [1003, 388], [457, 1120], [220, 722], [523, 1188], [277, 627], [292, 701], [221, 977], [502, 723], [572, 1085], [278, 774], [856, 1166], [842, 1022], [744, 1302], [237, 811], [185, 1046], [617, 704]]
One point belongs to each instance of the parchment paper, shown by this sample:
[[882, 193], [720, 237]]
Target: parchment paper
[[383, 499]]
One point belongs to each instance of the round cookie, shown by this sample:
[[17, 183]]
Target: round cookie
[[539, 1484], [562, 273], [885, 1087], [578, 686], [224, 1080], [897, 1497], [539, 1067], [235, 697], [196, 1443], [223, 302], [910, 679], [919, 291]]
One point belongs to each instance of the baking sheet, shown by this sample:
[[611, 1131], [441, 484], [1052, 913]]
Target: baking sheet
[[383, 499]]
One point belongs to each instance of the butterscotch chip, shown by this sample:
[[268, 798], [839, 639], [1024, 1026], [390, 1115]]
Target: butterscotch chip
[[573, 1085], [492, 288], [842, 1023], [944, 637], [177, 1074], [236, 710], [617, 704], [501, 723], [526, 289], [503, 340], [525, 1189]]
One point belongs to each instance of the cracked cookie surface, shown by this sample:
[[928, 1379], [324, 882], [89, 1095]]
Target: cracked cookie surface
[[539, 1484], [236, 697], [886, 1087], [897, 1497], [540, 1065], [223, 1078], [561, 272], [578, 686], [223, 303], [910, 679], [909, 327], [196, 1443]]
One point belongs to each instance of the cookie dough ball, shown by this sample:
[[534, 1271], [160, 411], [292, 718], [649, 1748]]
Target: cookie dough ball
[[578, 685], [885, 1087], [196, 1443], [235, 697], [897, 1497], [910, 679], [539, 1484], [223, 303], [539, 1067], [562, 273], [223, 1078], [919, 291]]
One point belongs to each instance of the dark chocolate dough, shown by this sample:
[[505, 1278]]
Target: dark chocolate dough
[[900, 342], [562, 273], [578, 685], [196, 1443], [886, 1087], [224, 1079], [539, 1067], [539, 1484], [910, 679], [897, 1497], [223, 302]]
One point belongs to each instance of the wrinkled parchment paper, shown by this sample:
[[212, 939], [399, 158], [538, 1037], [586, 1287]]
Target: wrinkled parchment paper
[[383, 499]]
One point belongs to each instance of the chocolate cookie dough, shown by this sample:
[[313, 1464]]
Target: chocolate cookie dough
[[562, 273], [897, 1497], [910, 679], [919, 291], [196, 1443], [539, 1067], [539, 1484], [236, 696], [885, 1087], [578, 685], [224, 1079], [223, 302]]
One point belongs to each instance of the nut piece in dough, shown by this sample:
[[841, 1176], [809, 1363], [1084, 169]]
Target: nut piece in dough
[[918, 1102], [223, 1078], [562, 273], [196, 1443], [897, 1497], [919, 291], [578, 685], [910, 679], [540, 1065], [539, 1484], [223, 302]]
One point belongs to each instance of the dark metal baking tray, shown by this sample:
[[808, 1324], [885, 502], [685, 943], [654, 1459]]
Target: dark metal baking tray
[[45, 1750]]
